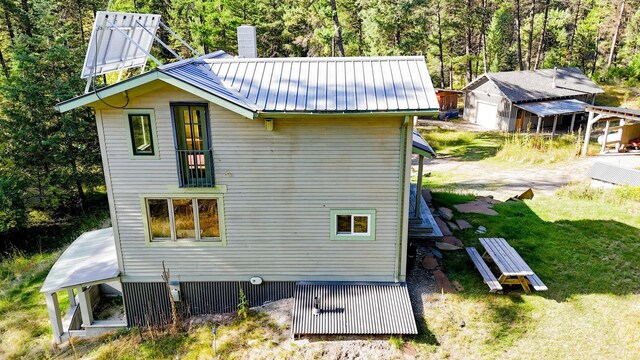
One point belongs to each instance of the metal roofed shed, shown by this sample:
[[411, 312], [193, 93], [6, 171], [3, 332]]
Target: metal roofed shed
[[501, 101], [603, 174], [542, 84], [352, 308]]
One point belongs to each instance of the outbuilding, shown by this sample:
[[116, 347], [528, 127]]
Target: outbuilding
[[521, 100]]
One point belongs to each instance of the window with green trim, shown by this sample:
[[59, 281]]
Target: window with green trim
[[183, 219], [141, 127], [353, 224]]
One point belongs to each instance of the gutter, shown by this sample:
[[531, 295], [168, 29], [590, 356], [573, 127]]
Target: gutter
[[403, 165]]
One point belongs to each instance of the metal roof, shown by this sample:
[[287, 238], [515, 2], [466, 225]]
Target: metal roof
[[532, 85], [554, 107], [90, 258], [399, 84], [630, 114], [199, 75], [330, 84], [614, 174], [420, 145], [370, 308]]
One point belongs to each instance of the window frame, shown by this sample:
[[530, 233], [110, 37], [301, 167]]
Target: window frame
[[369, 213], [174, 241], [154, 134], [207, 139]]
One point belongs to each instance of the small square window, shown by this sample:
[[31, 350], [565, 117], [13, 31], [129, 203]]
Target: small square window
[[352, 224]]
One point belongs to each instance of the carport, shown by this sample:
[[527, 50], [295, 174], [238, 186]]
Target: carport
[[628, 125], [554, 108]]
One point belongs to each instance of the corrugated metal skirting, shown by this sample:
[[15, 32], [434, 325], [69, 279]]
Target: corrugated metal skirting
[[353, 309], [148, 303]]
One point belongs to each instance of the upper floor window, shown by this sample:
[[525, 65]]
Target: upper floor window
[[194, 154], [141, 126], [184, 219], [353, 224]]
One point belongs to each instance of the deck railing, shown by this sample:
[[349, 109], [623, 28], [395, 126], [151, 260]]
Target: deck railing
[[195, 168]]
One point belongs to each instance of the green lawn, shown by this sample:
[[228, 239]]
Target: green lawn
[[586, 252]]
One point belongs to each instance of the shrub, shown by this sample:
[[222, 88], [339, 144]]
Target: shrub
[[243, 306]]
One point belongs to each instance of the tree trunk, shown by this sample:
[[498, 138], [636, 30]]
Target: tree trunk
[[483, 35], [595, 52], [26, 21], [615, 34], [5, 69], [467, 47], [336, 27], [530, 43], [440, 52], [518, 39], [573, 31], [543, 36], [7, 18]]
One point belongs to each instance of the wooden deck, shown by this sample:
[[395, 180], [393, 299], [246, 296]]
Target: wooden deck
[[425, 227]]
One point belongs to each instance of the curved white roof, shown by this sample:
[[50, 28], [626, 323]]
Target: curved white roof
[[90, 258]]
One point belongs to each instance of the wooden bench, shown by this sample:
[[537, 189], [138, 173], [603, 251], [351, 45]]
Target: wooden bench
[[484, 270], [537, 284]]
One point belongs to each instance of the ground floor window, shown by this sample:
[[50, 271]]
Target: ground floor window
[[352, 224], [184, 219]]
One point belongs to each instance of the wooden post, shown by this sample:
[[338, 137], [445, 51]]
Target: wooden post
[[419, 186], [72, 298], [606, 136], [53, 307], [555, 123], [539, 124], [573, 121], [85, 307], [587, 134]]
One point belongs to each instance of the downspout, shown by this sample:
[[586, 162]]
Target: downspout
[[401, 190]]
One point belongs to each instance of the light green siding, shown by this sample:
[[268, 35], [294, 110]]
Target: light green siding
[[280, 188]]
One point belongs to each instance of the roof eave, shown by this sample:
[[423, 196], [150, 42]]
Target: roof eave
[[146, 78], [418, 112]]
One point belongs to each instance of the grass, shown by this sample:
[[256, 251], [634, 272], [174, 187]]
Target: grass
[[618, 96], [24, 323], [464, 145], [529, 148], [584, 249]]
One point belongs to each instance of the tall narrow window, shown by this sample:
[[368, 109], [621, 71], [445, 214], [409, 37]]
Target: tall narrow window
[[193, 150], [142, 137], [160, 221]]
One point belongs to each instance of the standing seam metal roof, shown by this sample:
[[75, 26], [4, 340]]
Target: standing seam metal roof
[[348, 84]]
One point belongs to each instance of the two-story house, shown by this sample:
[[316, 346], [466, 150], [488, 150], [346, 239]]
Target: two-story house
[[286, 177]]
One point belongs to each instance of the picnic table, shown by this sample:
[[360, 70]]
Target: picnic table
[[513, 269]]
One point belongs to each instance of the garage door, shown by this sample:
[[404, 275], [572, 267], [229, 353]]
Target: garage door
[[486, 115]]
